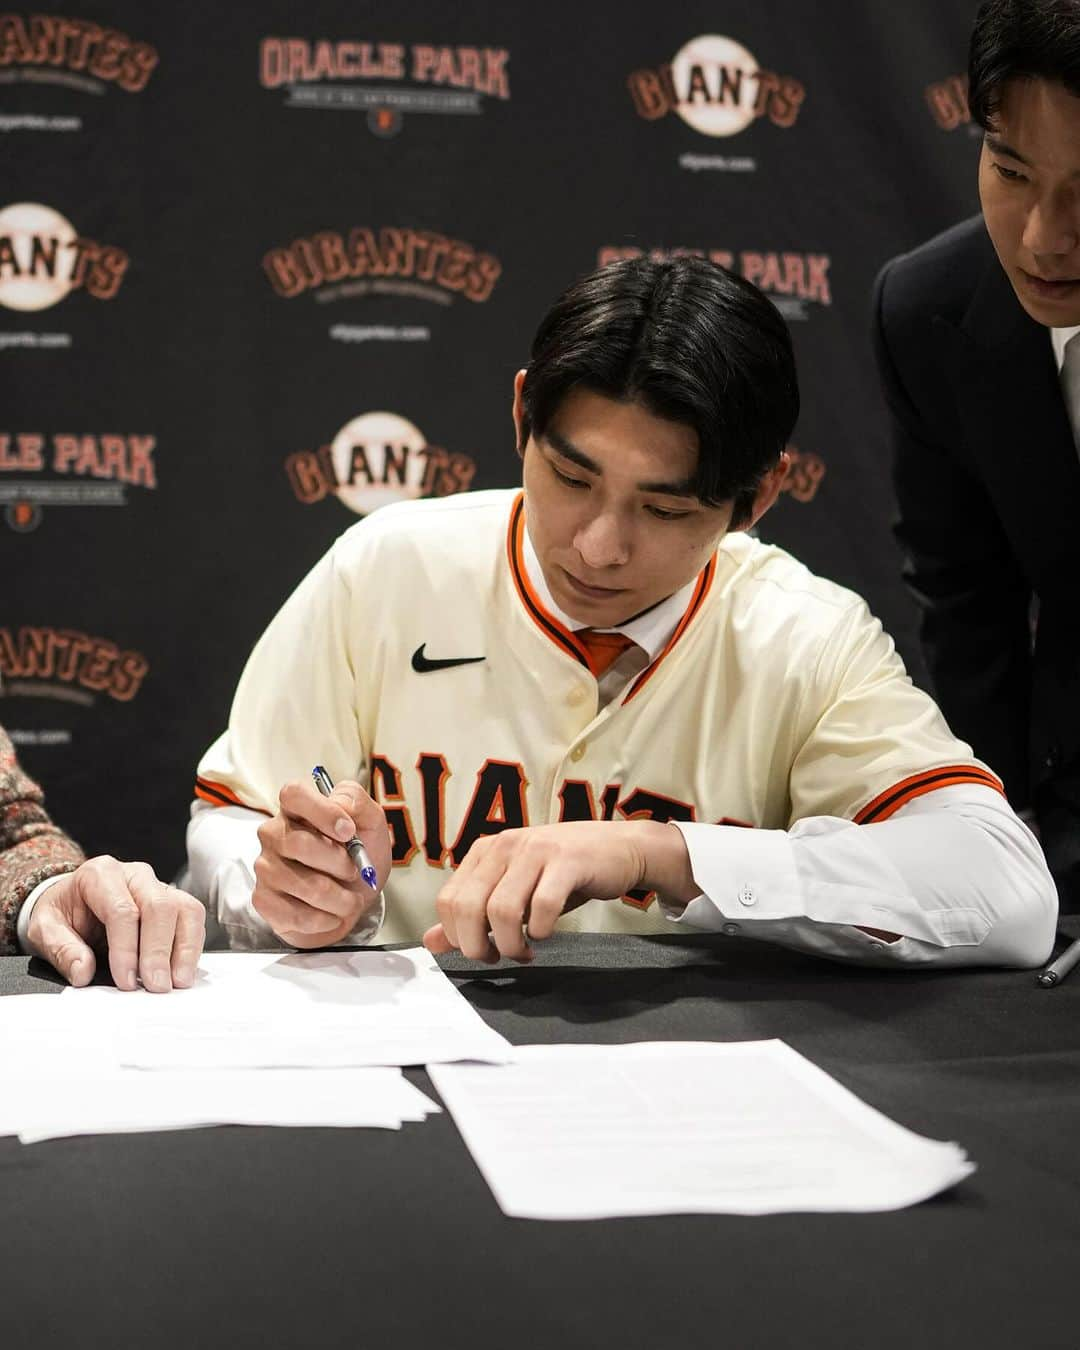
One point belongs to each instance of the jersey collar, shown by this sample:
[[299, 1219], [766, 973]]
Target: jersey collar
[[656, 632], [650, 631]]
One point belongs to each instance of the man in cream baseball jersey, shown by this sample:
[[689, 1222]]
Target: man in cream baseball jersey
[[598, 703]]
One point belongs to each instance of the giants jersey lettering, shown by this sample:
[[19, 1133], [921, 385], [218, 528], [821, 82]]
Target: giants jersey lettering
[[778, 697]]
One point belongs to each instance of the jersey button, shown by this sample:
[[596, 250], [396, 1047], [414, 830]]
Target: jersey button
[[577, 752], [576, 696]]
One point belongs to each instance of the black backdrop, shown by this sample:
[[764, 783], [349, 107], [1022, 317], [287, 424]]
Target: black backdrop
[[228, 232]]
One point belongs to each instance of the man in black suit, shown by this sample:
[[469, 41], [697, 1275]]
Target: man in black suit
[[973, 333]]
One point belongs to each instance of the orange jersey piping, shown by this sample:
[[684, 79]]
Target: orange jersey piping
[[893, 798], [547, 623], [217, 794], [701, 590]]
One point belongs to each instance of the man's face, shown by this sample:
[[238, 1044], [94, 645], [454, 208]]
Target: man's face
[[609, 510], [1029, 185]]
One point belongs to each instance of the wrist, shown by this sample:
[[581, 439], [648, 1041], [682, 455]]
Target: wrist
[[666, 862], [25, 927]]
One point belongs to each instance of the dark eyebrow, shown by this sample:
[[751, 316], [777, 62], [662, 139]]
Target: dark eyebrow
[[570, 451], [998, 147]]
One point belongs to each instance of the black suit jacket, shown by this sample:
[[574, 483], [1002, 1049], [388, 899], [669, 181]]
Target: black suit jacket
[[987, 479]]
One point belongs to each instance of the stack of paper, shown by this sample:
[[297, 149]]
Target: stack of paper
[[306, 1009], [590, 1131], [121, 1101], [258, 1040]]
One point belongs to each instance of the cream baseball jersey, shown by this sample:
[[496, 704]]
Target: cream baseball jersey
[[417, 657]]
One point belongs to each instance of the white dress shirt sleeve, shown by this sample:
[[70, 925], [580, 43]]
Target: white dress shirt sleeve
[[955, 873], [22, 922], [223, 844]]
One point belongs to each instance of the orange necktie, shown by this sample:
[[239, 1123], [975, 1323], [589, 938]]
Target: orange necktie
[[602, 648]]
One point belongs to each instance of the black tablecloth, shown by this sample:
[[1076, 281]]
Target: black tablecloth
[[245, 1237]]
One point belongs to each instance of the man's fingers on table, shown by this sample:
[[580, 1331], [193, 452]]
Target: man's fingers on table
[[526, 904], [159, 914], [508, 910], [551, 893], [461, 931], [152, 931], [436, 941], [104, 887], [462, 902], [510, 885], [188, 940]]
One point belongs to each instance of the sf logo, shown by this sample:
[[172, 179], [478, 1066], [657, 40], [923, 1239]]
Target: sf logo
[[23, 516]]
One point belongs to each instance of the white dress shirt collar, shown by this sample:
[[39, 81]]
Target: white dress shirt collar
[[1059, 338]]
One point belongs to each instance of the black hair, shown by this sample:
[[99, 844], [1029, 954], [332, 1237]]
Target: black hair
[[692, 343], [1021, 39]]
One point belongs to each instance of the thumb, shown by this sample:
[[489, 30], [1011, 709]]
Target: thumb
[[64, 949], [436, 941], [343, 796]]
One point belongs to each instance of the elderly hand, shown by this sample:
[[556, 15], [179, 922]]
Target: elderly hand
[[153, 931], [512, 887], [306, 884]]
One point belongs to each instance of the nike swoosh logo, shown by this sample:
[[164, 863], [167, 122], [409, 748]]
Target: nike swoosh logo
[[422, 664]]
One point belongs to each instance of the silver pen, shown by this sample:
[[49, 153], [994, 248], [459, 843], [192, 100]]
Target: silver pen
[[355, 849], [1057, 970]]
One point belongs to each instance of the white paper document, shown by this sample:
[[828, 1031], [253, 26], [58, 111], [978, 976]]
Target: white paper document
[[595, 1131], [306, 1038], [303, 1009], [126, 1100], [62, 1076]]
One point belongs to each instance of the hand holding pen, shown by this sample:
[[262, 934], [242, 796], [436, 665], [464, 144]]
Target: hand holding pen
[[314, 879], [354, 848]]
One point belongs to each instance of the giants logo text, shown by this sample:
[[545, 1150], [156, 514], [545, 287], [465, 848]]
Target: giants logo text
[[717, 87], [420, 255], [46, 40], [498, 803], [67, 657], [377, 458], [43, 258]]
